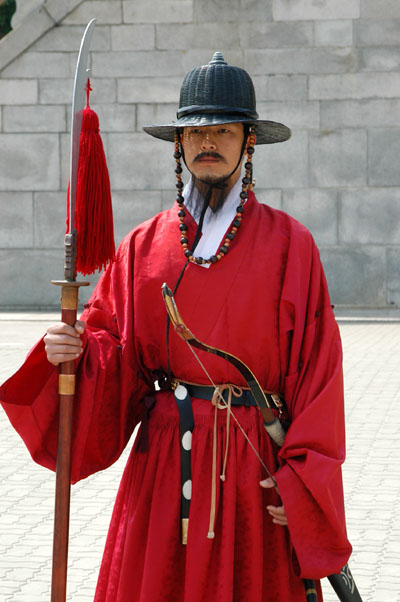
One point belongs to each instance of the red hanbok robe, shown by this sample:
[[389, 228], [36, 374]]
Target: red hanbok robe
[[267, 303]]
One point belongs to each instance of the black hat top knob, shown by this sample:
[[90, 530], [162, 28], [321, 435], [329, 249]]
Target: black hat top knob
[[217, 59]]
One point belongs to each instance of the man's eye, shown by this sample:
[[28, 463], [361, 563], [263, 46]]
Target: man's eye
[[223, 130]]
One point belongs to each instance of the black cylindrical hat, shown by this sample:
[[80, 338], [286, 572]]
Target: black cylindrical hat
[[215, 94]]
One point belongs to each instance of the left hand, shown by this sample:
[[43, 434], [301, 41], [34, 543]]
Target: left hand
[[277, 512]]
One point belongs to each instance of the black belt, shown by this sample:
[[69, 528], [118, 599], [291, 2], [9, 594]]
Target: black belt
[[245, 399]]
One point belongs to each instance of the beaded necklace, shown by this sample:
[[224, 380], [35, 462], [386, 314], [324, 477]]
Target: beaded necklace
[[246, 183]]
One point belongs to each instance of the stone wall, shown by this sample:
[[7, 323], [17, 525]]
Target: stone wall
[[329, 70]]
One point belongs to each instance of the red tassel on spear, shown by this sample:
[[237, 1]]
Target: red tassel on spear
[[88, 246]]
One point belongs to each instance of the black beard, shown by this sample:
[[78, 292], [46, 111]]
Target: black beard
[[218, 196]]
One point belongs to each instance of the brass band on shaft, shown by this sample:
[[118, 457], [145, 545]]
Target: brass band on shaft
[[69, 297], [185, 527], [66, 384], [311, 591]]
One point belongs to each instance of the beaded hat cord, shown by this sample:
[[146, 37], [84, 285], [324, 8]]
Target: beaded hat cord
[[246, 184]]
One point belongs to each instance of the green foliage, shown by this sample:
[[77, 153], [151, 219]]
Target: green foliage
[[7, 9]]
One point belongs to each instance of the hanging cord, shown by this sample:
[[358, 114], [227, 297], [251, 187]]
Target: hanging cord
[[207, 199]]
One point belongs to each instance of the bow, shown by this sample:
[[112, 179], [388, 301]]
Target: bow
[[343, 583]]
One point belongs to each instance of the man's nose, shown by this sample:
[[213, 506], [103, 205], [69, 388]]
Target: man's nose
[[208, 141]]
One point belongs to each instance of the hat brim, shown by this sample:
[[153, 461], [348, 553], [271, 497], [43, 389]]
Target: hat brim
[[267, 132]]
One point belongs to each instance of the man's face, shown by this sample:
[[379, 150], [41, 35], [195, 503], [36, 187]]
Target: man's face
[[212, 152]]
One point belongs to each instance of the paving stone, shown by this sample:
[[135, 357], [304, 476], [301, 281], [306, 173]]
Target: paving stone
[[370, 216], [16, 219], [157, 11], [334, 33], [297, 10], [133, 37], [34, 119], [317, 210], [349, 268], [338, 158], [106, 13], [383, 149], [354, 85], [39, 156]]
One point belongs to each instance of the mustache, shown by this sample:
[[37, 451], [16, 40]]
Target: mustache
[[212, 154]]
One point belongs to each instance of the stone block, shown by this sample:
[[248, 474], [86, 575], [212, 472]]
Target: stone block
[[356, 275], [132, 207], [300, 10], [21, 91], [67, 38], [354, 85], [383, 153], [106, 13], [149, 89], [60, 92], [334, 33], [379, 59], [282, 165], [152, 114], [29, 162], [370, 9], [23, 36], [113, 117], [58, 10], [16, 220], [196, 57], [168, 197], [34, 119], [133, 37], [296, 115], [42, 64], [220, 11], [197, 35], [140, 64], [300, 60], [254, 10], [261, 34], [157, 11], [377, 32], [23, 10], [370, 216], [49, 214], [359, 113], [338, 158], [272, 198], [315, 209], [25, 276], [393, 276], [139, 161], [280, 87]]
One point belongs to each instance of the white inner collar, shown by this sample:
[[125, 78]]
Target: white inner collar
[[215, 225]]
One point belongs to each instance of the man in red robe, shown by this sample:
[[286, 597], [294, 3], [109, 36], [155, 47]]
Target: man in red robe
[[248, 280]]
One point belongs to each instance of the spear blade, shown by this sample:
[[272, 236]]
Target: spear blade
[[78, 104]]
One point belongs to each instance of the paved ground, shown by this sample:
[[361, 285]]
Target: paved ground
[[371, 475]]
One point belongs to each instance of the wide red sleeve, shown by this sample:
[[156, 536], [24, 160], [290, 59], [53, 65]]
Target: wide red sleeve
[[310, 480], [111, 382]]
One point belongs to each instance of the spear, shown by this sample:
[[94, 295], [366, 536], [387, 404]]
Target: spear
[[79, 161]]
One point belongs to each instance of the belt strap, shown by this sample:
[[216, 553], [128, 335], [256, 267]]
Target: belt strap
[[245, 399]]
